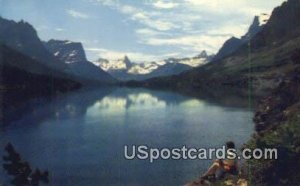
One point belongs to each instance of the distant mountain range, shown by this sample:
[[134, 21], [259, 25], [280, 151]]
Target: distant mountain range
[[124, 69]]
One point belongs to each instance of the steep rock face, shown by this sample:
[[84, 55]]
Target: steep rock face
[[229, 47], [72, 54], [283, 24], [67, 51], [255, 27], [127, 62], [234, 43], [22, 37]]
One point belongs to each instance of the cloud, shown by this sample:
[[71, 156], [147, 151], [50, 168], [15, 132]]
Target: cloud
[[147, 32], [42, 27], [192, 43], [188, 26], [165, 5], [229, 30], [59, 29], [77, 14], [158, 24], [246, 7], [151, 19]]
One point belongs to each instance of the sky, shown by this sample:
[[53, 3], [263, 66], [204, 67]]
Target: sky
[[144, 30]]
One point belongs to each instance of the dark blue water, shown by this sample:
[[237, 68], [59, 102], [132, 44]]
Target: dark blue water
[[80, 137]]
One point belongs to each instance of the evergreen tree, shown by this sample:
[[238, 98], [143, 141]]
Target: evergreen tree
[[21, 172]]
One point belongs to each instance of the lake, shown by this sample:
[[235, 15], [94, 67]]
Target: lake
[[79, 137]]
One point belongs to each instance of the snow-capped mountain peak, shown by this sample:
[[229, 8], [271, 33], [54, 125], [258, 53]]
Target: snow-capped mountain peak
[[125, 65], [110, 65]]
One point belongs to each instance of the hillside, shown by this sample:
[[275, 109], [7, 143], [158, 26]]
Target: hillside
[[277, 126], [23, 78], [260, 64], [19, 71], [22, 37], [23, 73]]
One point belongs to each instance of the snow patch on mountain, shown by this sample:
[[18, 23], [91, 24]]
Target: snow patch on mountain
[[73, 54], [67, 51], [146, 68]]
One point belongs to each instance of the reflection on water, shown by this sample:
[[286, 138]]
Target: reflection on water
[[80, 137], [112, 105]]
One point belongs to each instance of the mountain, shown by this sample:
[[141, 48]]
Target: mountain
[[72, 54], [168, 69], [234, 43], [124, 69], [24, 74], [67, 51], [26, 65], [283, 25], [255, 27], [196, 61], [259, 66], [22, 37], [120, 64], [23, 78], [269, 67]]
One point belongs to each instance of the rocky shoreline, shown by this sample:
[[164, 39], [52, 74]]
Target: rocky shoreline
[[277, 126]]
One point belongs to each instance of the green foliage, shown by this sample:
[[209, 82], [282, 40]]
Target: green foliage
[[283, 171]]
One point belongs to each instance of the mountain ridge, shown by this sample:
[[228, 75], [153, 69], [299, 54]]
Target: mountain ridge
[[124, 69], [22, 37], [232, 44], [254, 66], [73, 55]]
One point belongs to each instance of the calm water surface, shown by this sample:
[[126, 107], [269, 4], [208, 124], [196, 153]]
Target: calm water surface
[[80, 137]]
